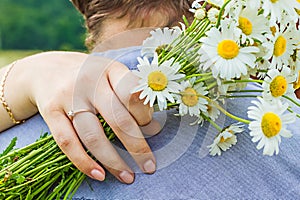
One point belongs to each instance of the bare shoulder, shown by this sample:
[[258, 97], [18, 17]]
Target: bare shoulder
[[60, 55], [62, 58]]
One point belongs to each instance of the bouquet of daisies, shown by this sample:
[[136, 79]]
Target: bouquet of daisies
[[194, 68], [229, 44]]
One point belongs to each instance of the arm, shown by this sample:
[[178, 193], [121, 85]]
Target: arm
[[57, 82], [17, 89]]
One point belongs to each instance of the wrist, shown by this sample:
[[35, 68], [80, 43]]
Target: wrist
[[14, 100]]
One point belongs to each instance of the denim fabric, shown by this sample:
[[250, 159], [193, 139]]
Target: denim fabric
[[185, 170]]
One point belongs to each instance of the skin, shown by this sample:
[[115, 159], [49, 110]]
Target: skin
[[51, 92], [62, 82]]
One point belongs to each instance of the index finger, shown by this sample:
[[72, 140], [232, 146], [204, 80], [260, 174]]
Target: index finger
[[66, 138], [124, 126]]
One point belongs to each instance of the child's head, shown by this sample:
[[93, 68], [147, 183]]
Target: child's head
[[138, 13]]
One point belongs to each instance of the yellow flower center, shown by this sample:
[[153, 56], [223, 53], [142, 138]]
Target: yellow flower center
[[245, 25], [189, 97], [273, 30], [270, 124], [222, 140], [273, 1], [225, 140], [157, 81], [278, 86], [228, 49], [280, 46], [209, 108]]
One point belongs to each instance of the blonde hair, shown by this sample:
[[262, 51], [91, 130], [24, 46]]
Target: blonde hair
[[96, 11]]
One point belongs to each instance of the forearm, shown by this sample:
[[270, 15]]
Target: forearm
[[33, 81], [15, 102]]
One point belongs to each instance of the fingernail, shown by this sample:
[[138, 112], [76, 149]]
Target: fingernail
[[149, 166], [126, 177], [97, 175]]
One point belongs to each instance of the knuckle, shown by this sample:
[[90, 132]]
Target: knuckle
[[112, 164], [63, 141], [90, 138], [124, 122], [143, 116], [144, 121], [134, 99], [141, 148], [50, 107]]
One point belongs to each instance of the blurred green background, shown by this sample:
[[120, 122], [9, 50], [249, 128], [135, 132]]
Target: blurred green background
[[31, 26]]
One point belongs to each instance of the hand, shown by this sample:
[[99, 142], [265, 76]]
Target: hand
[[100, 86]]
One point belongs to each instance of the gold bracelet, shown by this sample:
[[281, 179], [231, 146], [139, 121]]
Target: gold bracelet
[[2, 99]]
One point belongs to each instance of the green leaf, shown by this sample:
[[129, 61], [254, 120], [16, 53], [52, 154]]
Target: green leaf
[[19, 178], [10, 147]]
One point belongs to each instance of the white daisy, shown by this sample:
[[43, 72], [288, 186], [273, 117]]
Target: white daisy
[[253, 4], [276, 8], [232, 8], [225, 139], [253, 26], [212, 111], [157, 82], [262, 64], [213, 14], [221, 52], [195, 6], [198, 10], [278, 83], [285, 19], [269, 123], [189, 100], [200, 14], [281, 45], [218, 3], [262, 68], [160, 39]]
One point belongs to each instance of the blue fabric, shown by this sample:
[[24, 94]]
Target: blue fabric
[[185, 170]]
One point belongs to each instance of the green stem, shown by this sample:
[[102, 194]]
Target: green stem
[[36, 159], [224, 111], [21, 161], [292, 100], [38, 178], [246, 91], [29, 147], [291, 111], [212, 85], [212, 123], [186, 42], [242, 81], [204, 79], [81, 178], [73, 185], [46, 184], [45, 165], [221, 13]]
